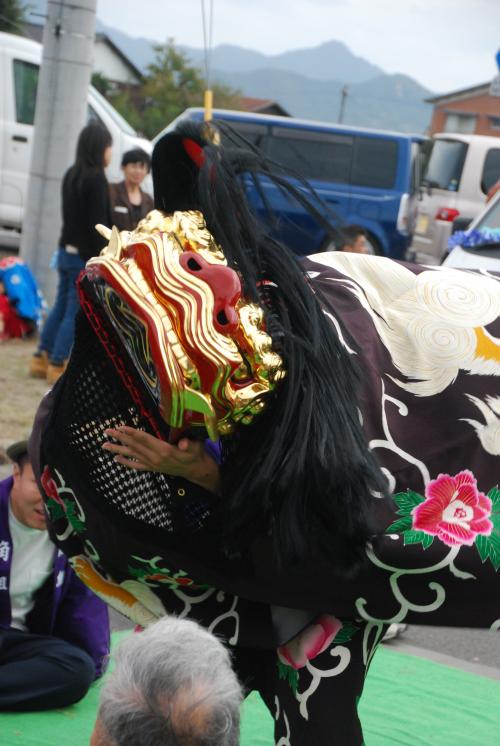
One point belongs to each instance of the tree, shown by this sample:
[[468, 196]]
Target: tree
[[170, 85], [102, 83], [12, 16]]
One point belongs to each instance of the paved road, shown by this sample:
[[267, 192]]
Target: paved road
[[472, 648]]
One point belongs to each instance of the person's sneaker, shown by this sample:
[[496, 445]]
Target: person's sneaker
[[54, 372], [38, 365], [394, 630]]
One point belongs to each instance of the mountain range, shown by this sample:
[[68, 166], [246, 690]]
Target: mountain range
[[324, 62], [307, 82]]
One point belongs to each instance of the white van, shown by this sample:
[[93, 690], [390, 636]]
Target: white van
[[19, 66], [459, 172]]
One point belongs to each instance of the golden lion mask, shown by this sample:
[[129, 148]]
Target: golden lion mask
[[199, 347]]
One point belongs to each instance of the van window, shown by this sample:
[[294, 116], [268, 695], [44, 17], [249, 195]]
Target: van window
[[444, 169], [491, 169], [25, 85], [254, 133], [314, 155], [375, 162], [491, 218], [93, 117]]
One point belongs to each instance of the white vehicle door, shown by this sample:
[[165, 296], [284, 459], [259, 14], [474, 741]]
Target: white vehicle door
[[19, 96]]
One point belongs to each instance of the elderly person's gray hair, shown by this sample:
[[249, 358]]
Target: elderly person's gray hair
[[172, 684]]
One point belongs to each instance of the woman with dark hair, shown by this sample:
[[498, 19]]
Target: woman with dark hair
[[85, 203], [129, 203]]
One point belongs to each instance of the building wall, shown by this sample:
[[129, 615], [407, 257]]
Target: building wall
[[107, 62], [483, 105]]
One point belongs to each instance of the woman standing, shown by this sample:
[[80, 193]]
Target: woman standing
[[85, 202], [129, 203]]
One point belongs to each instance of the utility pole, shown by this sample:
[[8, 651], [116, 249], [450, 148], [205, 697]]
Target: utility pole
[[61, 111], [343, 96]]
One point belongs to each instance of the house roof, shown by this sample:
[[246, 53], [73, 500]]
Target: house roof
[[36, 16], [250, 103], [462, 93], [126, 60]]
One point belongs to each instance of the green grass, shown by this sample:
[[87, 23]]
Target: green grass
[[408, 701]]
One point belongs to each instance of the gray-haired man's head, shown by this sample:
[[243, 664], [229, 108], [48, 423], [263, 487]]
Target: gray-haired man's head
[[172, 685]]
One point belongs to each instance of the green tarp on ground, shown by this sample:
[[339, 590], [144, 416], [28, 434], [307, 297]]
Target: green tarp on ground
[[408, 701]]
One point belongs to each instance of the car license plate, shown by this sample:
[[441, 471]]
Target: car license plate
[[422, 223]]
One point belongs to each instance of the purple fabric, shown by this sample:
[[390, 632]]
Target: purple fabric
[[64, 607], [214, 450]]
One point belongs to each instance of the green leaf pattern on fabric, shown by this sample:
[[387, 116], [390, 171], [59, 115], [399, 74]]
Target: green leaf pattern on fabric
[[56, 510], [406, 502], [346, 633], [151, 573], [489, 546], [418, 537], [69, 512], [403, 524], [489, 549], [289, 674], [74, 520]]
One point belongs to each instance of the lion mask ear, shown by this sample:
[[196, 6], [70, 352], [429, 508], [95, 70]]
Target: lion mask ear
[[176, 161]]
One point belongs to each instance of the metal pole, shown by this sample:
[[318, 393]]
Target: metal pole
[[343, 97], [61, 111]]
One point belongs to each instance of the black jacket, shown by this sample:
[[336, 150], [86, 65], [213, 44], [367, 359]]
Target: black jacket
[[123, 213], [84, 204]]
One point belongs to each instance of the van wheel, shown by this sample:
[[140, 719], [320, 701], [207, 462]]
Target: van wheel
[[373, 246]]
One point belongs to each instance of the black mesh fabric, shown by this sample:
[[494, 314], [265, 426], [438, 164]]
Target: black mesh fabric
[[97, 401], [91, 399]]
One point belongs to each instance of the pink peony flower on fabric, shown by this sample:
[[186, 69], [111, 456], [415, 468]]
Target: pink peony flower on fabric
[[50, 488], [310, 642], [454, 510]]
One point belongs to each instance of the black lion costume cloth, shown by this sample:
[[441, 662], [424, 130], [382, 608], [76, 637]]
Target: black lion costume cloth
[[353, 404]]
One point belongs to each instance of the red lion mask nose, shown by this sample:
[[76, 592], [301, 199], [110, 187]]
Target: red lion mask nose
[[225, 285]]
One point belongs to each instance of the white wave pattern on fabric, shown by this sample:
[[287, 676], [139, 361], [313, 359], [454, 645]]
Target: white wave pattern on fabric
[[488, 431], [432, 323]]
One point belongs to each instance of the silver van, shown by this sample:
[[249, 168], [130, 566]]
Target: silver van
[[19, 66], [459, 171]]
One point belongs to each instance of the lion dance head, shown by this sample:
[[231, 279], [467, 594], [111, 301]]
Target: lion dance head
[[200, 348]]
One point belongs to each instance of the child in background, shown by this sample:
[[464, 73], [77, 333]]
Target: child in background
[[355, 239]]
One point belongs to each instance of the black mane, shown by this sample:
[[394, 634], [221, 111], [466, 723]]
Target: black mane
[[302, 471]]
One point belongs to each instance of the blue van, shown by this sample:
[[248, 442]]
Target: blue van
[[367, 177]]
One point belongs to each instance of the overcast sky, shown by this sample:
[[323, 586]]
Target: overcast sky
[[444, 44]]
